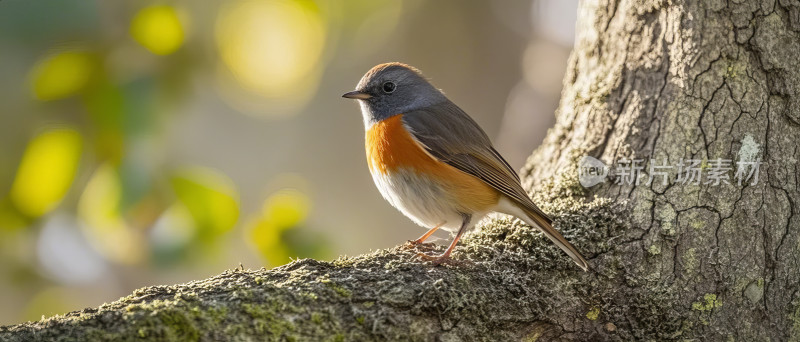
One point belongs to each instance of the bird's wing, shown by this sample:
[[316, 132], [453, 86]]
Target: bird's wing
[[451, 136]]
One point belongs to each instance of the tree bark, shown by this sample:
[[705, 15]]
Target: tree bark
[[661, 80], [672, 81]]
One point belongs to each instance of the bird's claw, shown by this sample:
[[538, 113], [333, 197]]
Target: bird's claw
[[434, 259], [412, 243]]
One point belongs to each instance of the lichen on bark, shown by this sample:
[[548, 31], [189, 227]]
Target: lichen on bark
[[671, 81], [504, 284]]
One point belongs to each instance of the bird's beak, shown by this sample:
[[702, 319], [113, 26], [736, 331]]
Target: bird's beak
[[357, 95]]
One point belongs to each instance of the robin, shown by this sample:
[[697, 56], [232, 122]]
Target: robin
[[432, 162]]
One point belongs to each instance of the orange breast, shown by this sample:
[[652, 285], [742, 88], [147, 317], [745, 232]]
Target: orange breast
[[390, 147]]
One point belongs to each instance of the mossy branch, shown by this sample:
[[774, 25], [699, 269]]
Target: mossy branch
[[506, 283]]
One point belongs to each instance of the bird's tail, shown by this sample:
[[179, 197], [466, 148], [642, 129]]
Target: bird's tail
[[545, 224]]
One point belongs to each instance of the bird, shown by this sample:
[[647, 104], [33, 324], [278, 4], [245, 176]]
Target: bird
[[431, 160]]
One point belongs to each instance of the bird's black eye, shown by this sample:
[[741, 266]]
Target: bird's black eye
[[389, 87]]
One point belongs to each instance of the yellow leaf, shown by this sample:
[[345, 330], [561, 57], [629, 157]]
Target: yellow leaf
[[283, 210], [46, 172], [287, 208], [265, 237], [158, 29], [61, 75]]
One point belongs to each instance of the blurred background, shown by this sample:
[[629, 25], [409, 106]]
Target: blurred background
[[147, 143]]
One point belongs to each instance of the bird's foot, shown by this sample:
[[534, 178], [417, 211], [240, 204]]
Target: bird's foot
[[434, 259], [413, 244]]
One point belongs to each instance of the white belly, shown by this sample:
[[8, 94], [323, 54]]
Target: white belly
[[419, 198]]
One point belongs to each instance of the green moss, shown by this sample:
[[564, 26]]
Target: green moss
[[705, 306], [654, 250], [341, 291], [735, 68], [708, 303], [166, 320], [666, 215], [360, 319], [266, 320], [534, 335], [316, 317], [179, 324], [593, 313], [182, 317]]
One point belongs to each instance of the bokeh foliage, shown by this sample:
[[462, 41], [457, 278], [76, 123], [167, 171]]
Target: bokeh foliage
[[91, 189]]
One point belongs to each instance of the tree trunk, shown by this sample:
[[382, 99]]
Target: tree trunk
[[669, 81]]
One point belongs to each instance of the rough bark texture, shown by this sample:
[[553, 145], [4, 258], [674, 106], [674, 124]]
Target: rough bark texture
[[692, 80], [649, 79]]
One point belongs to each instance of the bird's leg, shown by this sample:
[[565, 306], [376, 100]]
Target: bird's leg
[[426, 235], [446, 255]]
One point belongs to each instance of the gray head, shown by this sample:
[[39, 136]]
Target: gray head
[[393, 88]]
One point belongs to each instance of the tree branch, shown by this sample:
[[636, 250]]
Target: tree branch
[[507, 282]]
